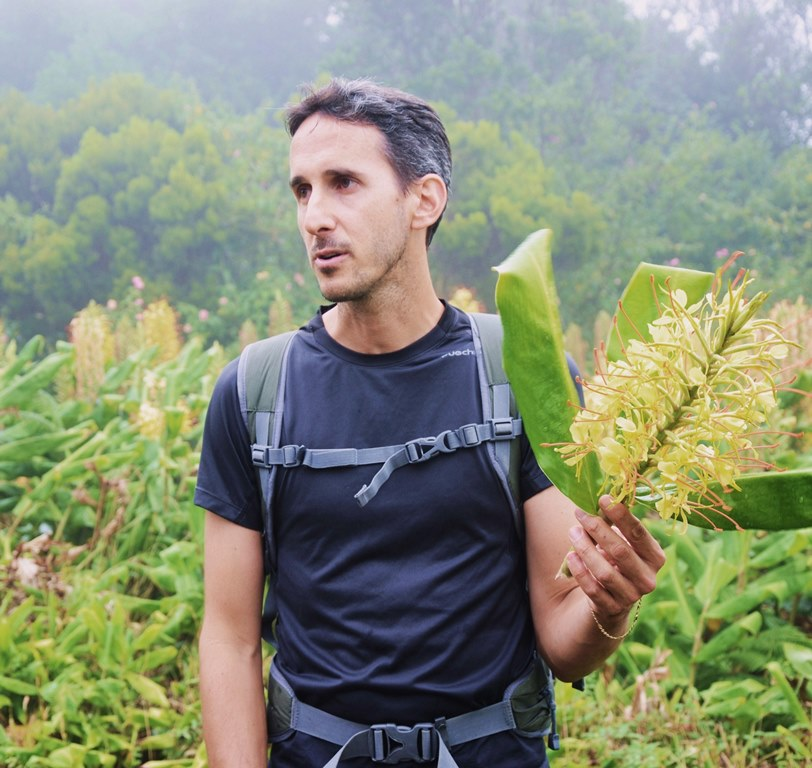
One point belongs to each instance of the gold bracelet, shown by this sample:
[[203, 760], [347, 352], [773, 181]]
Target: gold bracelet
[[630, 628]]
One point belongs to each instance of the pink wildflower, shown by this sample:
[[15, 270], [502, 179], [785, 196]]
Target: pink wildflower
[[138, 283]]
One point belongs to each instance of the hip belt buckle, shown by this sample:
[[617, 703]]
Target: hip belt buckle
[[391, 744]]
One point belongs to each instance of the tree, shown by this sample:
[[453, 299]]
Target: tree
[[500, 194], [757, 62]]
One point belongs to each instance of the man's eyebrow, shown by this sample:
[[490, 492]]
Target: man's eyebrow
[[333, 173]]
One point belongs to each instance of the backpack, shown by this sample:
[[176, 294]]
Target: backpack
[[529, 703]]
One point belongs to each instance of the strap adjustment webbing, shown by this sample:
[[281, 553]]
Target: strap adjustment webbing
[[391, 457], [388, 743]]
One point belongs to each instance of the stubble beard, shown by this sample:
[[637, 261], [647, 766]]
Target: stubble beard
[[368, 282]]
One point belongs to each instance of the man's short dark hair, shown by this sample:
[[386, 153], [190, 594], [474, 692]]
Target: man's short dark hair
[[415, 139]]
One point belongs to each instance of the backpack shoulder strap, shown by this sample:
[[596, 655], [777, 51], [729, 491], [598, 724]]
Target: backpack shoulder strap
[[498, 403], [261, 374], [261, 377]]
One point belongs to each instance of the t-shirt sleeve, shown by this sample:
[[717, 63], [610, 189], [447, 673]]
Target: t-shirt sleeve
[[226, 479], [532, 479]]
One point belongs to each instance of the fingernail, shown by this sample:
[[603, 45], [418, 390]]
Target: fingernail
[[576, 533], [580, 514], [605, 502]]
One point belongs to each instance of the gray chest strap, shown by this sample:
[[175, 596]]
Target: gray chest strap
[[391, 457]]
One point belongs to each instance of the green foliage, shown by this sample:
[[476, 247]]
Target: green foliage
[[486, 216], [630, 138], [717, 670], [189, 205], [100, 552]]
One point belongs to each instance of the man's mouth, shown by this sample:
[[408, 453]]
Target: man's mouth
[[327, 254]]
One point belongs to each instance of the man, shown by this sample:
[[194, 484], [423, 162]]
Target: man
[[425, 604]]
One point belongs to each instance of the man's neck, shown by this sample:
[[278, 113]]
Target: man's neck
[[374, 328]]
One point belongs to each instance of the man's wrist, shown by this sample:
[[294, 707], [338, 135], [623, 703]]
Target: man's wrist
[[617, 627]]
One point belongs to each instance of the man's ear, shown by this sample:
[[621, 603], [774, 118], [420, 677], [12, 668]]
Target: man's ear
[[432, 197]]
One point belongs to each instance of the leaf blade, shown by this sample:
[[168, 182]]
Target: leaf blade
[[536, 364]]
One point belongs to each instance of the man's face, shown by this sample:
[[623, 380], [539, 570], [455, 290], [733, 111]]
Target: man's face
[[353, 215]]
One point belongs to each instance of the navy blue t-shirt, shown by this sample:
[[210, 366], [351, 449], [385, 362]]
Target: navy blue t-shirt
[[414, 606]]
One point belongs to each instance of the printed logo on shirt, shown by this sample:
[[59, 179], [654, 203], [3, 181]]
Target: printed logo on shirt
[[459, 353]]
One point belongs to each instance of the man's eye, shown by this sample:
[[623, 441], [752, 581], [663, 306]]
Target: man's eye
[[302, 191], [345, 182]]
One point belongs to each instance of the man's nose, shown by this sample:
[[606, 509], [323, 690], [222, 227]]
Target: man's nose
[[318, 215]]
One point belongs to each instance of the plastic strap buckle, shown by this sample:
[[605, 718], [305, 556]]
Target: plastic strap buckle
[[469, 435], [390, 744], [259, 455], [292, 455], [503, 428], [425, 448]]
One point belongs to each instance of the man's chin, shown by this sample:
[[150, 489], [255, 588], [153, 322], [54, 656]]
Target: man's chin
[[337, 294]]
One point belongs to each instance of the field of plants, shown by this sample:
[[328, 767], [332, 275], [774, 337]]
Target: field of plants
[[101, 596]]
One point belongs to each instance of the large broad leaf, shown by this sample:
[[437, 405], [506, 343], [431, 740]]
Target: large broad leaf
[[639, 303], [770, 501], [536, 364]]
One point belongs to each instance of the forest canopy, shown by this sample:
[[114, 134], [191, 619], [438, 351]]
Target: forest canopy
[[143, 138]]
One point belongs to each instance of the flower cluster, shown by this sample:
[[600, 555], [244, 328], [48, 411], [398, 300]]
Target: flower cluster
[[92, 337], [159, 324], [679, 412]]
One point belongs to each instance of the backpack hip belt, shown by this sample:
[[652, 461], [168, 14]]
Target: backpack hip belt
[[527, 707]]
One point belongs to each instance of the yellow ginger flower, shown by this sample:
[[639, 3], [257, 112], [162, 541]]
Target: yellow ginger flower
[[92, 338], [247, 334], [160, 329], [280, 315], [680, 411], [151, 421], [466, 300], [794, 420]]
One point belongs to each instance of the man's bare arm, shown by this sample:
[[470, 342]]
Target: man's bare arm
[[231, 685]]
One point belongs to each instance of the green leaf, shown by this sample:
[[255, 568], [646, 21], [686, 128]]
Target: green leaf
[[800, 657], [21, 389], [536, 365], [795, 705], [797, 745], [158, 741], [31, 349], [736, 699], [770, 501], [730, 636], [149, 690], [779, 585], [17, 686], [639, 301], [155, 658]]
